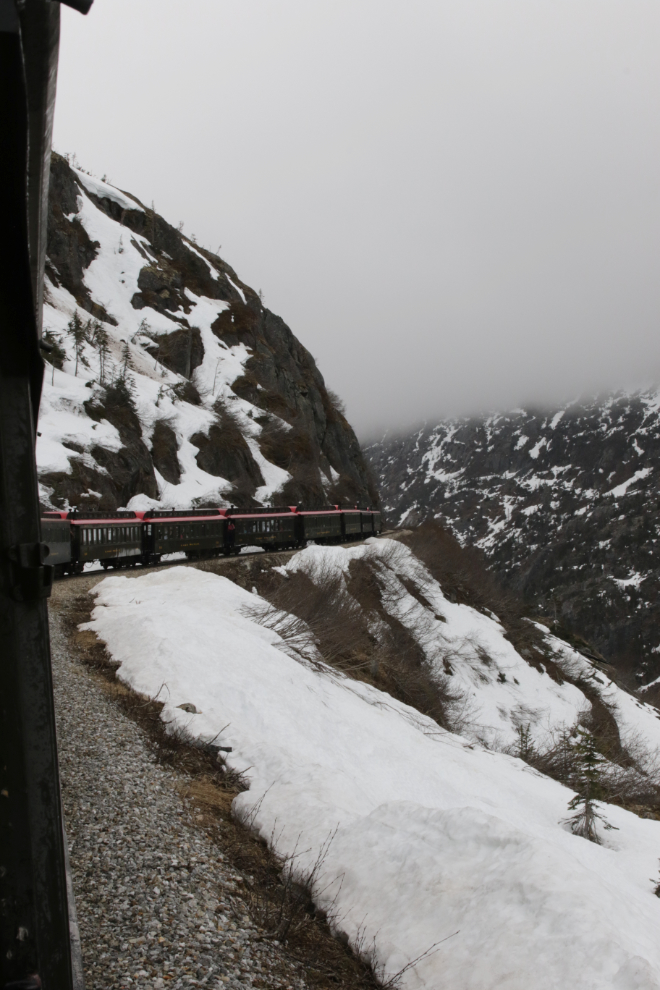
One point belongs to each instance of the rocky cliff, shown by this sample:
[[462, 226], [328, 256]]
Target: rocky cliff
[[564, 504], [169, 383]]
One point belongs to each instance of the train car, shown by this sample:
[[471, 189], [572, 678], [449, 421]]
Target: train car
[[125, 538], [352, 524], [56, 534], [112, 538], [321, 525], [273, 529], [196, 532]]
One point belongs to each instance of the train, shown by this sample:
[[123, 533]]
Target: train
[[135, 538]]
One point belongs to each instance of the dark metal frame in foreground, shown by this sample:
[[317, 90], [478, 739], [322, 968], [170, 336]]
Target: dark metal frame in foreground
[[34, 915]]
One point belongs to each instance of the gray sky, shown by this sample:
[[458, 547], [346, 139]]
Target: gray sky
[[454, 205]]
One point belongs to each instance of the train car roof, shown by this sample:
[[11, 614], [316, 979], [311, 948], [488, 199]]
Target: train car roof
[[104, 522], [320, 512], [261, 515], [177, 519]]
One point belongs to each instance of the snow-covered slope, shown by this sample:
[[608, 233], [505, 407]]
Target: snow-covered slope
[[417, 838], [564, 503], [500, 690], [182, 388]]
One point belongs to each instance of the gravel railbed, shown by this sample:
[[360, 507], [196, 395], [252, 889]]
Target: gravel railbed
[[158, 905]]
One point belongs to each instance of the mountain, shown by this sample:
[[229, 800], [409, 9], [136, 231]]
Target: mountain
[[564, 505], [169, 383]]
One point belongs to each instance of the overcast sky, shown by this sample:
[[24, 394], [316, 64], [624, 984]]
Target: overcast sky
[[454, 204]]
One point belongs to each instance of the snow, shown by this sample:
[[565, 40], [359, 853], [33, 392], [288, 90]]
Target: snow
[[501, 692], [237, 287], [536, 449], [112, 281], [420, 835], [622, 489], [105, 191], [63, 420], [634, 581]]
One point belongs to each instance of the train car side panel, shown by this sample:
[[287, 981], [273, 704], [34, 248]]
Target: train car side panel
[[322, 527], [113, 542], [56, 534], [263, 531], [352, 524]]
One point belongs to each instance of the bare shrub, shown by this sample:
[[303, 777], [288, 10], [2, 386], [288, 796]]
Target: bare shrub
[[337, 402], [317, 620], [287, 909], [342, 622]]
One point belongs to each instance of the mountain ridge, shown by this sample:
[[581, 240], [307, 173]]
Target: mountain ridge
[[563, 503]]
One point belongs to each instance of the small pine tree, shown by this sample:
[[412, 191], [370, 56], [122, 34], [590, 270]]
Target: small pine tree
[[98, 337], [79, 331], [57, 355], [526, 748], [126, 362], [589, 789], [121, 390]]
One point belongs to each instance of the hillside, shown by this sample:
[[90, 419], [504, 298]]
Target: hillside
[[169, 383], [563, 503], [420, 754]]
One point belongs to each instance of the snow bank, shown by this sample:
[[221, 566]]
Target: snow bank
[[433, 835]]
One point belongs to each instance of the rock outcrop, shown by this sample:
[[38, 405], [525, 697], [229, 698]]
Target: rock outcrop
[[179, 387]]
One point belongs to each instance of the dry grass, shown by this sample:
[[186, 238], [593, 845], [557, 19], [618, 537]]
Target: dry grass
[[344, 624]]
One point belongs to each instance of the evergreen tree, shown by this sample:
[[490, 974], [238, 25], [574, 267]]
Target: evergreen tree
[[79, 331], [126, 362], [101, 341], [589, 789], [526, 748]]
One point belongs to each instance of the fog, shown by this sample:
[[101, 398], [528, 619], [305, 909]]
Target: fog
[[454, 206]]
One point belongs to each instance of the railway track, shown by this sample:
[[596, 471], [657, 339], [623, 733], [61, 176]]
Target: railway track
[[89, 578]]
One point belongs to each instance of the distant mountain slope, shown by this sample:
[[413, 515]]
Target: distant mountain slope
[[182, 388], [565, 504]]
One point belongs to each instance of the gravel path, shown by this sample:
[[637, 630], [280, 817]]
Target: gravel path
[[157, 902]]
